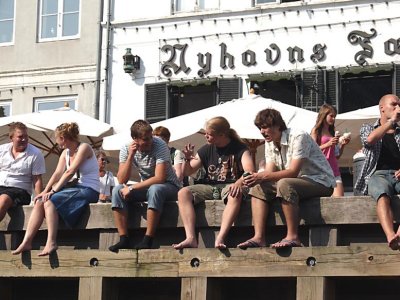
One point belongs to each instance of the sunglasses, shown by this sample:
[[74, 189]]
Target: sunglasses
[[102, 159]]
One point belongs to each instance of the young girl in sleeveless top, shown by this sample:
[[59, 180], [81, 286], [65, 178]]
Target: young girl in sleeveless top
[[324, 134]]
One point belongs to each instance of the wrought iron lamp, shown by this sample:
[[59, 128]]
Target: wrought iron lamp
[[131, 62]]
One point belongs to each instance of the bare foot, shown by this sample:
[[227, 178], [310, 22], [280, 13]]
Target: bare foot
[[188, 243], [48, 250], [22, 248]]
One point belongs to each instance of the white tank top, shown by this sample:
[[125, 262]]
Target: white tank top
[[89, 172]]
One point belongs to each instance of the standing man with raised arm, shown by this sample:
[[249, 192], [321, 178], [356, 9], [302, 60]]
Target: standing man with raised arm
[[21, 167], [380, 175], [151, 158]]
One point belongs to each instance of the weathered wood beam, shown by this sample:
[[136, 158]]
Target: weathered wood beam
[[360, 260]]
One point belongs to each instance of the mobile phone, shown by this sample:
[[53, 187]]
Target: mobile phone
[[246, 174]]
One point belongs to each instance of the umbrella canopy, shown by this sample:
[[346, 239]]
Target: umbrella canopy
[[351, 122], [42, 125], [239, 112]]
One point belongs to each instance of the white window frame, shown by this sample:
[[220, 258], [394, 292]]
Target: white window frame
[[7, 103], [195, 6], [13, 33], [60, 15], [257, 3], [62, 100]]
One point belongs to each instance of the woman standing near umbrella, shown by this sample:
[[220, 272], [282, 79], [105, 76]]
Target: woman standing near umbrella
[[63, 197], [329, 143]]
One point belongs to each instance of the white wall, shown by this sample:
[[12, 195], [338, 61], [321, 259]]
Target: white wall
[[302, 26]]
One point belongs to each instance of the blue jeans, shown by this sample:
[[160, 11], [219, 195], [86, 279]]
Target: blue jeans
[[155, 196], [383, 182]]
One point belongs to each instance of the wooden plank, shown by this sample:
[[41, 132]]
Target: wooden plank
[[364, 260], [194, 288], [323, 236], [315, 288], [90, 288]]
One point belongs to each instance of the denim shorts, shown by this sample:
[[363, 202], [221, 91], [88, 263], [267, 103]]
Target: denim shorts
[[383, 182]]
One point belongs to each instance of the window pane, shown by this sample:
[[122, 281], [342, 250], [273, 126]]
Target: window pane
[[6, 31], [70, 24], [208, 4], [71, 6], [49, 7], [55, 104], [184, 5], [5, 110], [6, 9], [266, 1], [49, 27]]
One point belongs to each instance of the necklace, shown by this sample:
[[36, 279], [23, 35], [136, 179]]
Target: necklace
[[221, 153]]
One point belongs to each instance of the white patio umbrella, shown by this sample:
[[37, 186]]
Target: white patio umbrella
[[239, 112], [351, 122], [41, 126]]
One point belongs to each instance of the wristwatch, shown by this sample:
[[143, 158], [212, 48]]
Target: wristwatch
[[130, 188]]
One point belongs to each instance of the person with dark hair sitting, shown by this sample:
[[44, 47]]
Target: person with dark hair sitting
[[149, 155]]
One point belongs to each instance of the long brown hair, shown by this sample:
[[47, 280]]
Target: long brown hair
[[324, 110], [220, 125]]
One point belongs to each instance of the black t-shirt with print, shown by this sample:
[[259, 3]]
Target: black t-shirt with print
[[222, 165]]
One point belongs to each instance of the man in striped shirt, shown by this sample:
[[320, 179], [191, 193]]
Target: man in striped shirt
[[150, 157]]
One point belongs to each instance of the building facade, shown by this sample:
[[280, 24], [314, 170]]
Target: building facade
[[195, 54], [50, 53]]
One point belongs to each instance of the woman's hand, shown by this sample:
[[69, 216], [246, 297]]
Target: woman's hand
[[334, 141]]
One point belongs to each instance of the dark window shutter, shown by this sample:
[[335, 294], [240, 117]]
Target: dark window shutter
[[156, 102], [396, 89], [331, 87], [229, 89], [313, 90]]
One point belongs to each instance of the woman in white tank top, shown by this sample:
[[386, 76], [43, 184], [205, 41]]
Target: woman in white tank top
[[73, 185]]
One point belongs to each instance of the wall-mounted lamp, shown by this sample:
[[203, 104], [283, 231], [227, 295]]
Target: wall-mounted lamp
[[131, 62]]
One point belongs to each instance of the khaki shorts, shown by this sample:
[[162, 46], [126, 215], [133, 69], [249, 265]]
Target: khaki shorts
[[202, 192], [290, 190]]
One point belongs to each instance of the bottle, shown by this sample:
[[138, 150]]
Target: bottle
[[216, 193]]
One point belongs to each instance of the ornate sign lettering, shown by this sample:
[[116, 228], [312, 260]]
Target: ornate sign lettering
[[169, 64], [249, 58], [205, 67], [318, 53], [292, 52], [392, 47], [268, 53], [363, 39], [225, 55]]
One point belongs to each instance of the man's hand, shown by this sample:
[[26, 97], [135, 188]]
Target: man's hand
[[124, 192], [132, 149], [188, 151], [252, 179], [235, 189], [397, 175]]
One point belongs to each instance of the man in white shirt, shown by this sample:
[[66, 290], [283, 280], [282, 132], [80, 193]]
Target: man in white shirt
[[21, 167], [295, 169]]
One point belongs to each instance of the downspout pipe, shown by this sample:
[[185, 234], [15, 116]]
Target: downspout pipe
[[98, 63], [107, 63]]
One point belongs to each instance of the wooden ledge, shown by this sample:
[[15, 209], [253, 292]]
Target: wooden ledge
[[317, 211], [357, 260]]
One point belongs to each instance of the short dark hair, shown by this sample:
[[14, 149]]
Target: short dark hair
[[268, 118], [139, 128], [162, 132], [14, 126]]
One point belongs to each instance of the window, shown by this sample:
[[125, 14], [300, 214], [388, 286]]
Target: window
[[59, 19], [195, 5], [54, 103], [5, 109], [6, 21]]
